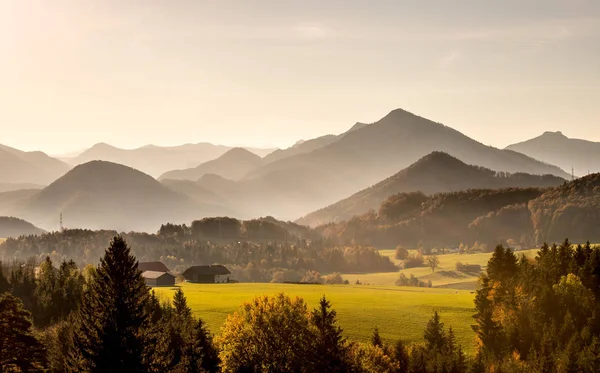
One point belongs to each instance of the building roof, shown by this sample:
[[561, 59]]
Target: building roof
[[153, 266], [206, 270], [155, 274]]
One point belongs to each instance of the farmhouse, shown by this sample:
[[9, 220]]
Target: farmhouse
[[153, 266], [207, 274], [154, 278]]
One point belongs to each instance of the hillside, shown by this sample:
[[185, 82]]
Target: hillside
[[232, 165], [106, 195], [13, 227], [569, 211], [303, 183], [29, 167], [156, 160], [555, 148], [10, 187], [526, 217], [435, 173]]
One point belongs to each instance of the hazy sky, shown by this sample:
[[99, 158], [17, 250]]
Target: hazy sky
[[74, 73]]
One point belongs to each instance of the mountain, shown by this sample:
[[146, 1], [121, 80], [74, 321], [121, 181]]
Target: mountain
[[299, 184], [435, 173], [13, 227], [232, 165], [553, 147], [156, 160], [9, 187], [17, 166], [303, 147], [104, 195]]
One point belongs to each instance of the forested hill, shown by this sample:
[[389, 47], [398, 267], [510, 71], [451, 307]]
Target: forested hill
[[435, 173], [520, 216], [255, 250], [13, 227]]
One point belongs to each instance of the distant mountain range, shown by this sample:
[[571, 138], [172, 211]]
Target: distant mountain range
[[555, 148], [104, 195], [340, 166], [17, 167], [435, 173], [232, 165], [156, 160]]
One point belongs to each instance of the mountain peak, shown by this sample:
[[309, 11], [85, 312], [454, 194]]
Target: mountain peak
[[554, 134], [239, 153]]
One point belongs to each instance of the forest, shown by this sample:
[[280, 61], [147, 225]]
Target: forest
[[532, 315], [254, 251], [522, 216]]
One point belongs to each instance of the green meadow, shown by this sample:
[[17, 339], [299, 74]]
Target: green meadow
[[398, 312], [444, 276]]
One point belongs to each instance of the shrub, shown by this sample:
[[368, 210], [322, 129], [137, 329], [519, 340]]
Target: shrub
[[401, 253], [334, 278], [413, 260]]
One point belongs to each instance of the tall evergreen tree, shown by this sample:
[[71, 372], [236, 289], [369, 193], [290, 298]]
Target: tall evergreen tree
[[401, 356], [4, 285], [435, 337], [330, 345], [376, 340], [20, 350], [110, 332]]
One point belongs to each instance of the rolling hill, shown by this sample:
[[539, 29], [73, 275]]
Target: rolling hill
[[299, 184], [435, 173], [523, 216], [104, 195], [555, 148], [232, 165], [13, 227], [156, 160], [19, 167]]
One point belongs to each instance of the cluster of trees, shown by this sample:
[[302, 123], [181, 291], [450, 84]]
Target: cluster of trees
[[179, 248], [540, 315], [412, 281]]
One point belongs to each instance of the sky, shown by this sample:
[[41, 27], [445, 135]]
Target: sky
[[270, 72]]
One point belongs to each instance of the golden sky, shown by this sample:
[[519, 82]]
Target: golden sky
[[267, 73]]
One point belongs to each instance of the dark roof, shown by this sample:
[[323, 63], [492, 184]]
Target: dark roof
[[153, 266], [206, 270], [154, 274]]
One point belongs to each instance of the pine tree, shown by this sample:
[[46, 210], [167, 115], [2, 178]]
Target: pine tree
[[376, 338], [46, 294], [20, 350], [401, 356], [330, 346], [4, 285], [110, 332], [435, 338]]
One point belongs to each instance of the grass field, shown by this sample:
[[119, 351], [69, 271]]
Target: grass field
[[444, 276], [2, 240], [398, 312]]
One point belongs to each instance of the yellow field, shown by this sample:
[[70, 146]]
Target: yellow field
[[444, 276], [398, 312]]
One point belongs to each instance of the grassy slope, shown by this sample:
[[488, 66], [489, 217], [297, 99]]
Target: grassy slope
[[444, 276], [400, 313], [2, 240]]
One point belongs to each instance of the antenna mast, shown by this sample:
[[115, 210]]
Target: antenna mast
[[61, 223]]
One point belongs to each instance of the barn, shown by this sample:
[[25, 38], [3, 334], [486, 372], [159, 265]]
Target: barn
[[214, 274], [153, 266], [154, 278]]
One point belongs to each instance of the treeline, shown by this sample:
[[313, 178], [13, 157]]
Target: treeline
[[180, 247], [540, 315], [524, 217]]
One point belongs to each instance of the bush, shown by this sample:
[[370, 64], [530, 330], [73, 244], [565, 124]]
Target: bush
[[413, 260], [312, 277], [468, 268], [334, 278], [412, 281], [401, 253]]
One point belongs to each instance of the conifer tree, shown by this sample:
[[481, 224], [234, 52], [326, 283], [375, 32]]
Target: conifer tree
[[376, 338], [401, 356], [330, 346], [4, 285], [435, 337], [20, 350], [110, 331]]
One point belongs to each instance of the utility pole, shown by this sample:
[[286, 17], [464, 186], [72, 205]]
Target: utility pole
[[61, 223]]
